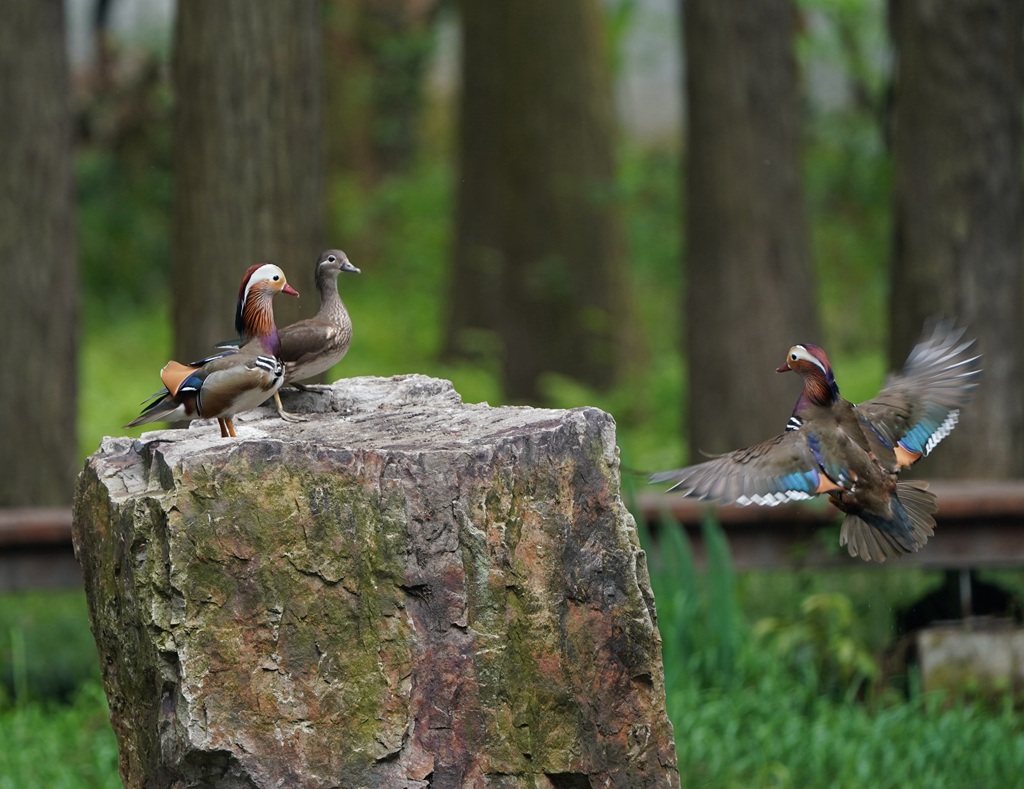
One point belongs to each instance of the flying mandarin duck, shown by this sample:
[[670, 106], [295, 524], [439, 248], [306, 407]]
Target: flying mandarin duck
[[853, 453]]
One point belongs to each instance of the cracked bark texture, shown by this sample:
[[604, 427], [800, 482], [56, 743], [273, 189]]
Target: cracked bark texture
[[403, 591]]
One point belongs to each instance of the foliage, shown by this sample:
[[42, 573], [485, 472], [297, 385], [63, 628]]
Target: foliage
[[119, 368], [400, 237], [846, 166], [46, 649], [54, 722], [123, 221], [744, 717], [59, 747], [820, 646], [123, 180]]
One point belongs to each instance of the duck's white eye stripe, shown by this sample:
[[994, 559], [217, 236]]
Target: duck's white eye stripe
[[799, 353], [268, 271]]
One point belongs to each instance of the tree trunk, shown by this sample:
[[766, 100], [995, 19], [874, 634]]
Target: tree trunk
[[38, 259], [249, 159], [376, 602], [376, 61], [536, 225], [958, 245], [751, 288], [474, 295]]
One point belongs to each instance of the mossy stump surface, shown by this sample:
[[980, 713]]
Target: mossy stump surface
[[402, 591]]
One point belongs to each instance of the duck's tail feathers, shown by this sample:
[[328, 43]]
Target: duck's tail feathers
[[876, 539], [161, 409]]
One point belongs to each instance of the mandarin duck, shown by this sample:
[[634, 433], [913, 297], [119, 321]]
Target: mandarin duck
[[313, 345], [229, 383], [853, 453]]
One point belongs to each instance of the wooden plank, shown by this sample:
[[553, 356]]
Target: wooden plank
[[21, 526], [36, 550], [979, 524]]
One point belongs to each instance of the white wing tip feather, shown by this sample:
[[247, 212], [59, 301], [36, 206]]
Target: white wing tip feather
[[773, 499], [942, 430]]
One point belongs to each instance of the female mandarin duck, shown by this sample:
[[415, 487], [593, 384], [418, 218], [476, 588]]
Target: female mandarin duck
[[229, 383], [854, 453], [313, 345]]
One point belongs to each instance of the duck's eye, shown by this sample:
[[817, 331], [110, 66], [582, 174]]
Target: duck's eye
[[277, 277], [793, 357], [332, 259]]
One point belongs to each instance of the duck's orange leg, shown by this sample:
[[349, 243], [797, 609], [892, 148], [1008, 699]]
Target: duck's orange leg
[[223, 427], [231, 427]]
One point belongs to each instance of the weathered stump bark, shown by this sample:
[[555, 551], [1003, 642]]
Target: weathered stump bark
[[405, 591]]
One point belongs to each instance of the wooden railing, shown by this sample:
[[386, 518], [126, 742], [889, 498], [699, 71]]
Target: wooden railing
[[35, 549], [979, 524]]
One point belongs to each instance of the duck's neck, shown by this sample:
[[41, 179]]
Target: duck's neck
[[330, 300], [820, 389], [256, 316]]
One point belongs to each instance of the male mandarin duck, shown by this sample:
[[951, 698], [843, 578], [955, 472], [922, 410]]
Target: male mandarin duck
[[229, 383], [854, 453]]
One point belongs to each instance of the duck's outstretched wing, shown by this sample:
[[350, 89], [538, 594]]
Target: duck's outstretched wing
[[920, 405], [783, 468]]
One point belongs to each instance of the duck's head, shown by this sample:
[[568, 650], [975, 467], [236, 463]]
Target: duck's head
[[254, 314], [266, 278], [803, 358], [811, 363], [333, 261]]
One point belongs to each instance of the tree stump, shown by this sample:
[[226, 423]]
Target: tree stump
[[402, 591]]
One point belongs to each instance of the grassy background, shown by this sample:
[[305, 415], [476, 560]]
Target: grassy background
[[796, 699]]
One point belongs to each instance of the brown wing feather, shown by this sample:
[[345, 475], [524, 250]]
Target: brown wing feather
[[302, 342], [939, 378], [779, 469]]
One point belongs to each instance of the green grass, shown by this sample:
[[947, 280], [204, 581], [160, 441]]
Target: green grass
[[119, 367], [59, 746], [46, 648], [54, 725], [765, 733], [749, 713]]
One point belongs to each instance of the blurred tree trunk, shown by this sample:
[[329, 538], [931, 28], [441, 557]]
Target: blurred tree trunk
[[474, 292], [249, 159], [38, 259], [958, 245], [540, 254], [750, 284], [376, 60]]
